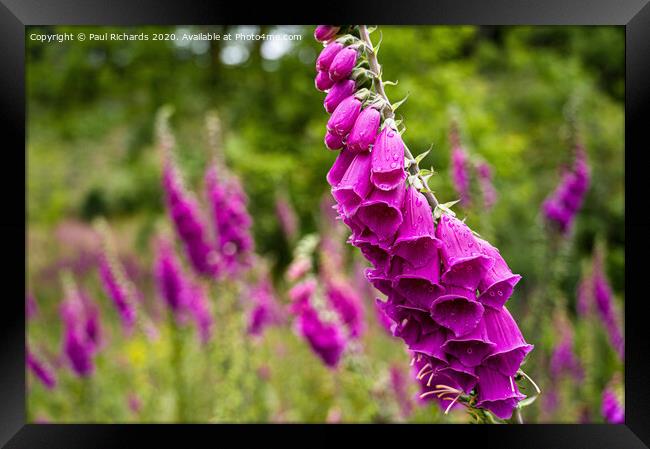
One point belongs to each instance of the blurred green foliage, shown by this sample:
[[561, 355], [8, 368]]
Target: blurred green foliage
[[91, 150]]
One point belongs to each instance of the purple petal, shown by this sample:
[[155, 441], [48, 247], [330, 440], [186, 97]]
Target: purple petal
[[498, 283], [421, 285], [327, 55], [381, 212], [415, 240], [497, 393], [364, 131], [470, 349], [457, 310], [355, 185], [339, 92], [343, 63], [340, 166], [344, 116], [388, 160], [464, 264], [511, 348]]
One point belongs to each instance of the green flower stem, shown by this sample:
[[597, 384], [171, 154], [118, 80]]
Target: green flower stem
[[379, 86], [86, 400], [177, 366]]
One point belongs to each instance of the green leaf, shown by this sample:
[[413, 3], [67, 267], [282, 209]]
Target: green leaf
[[421, 156], [444, 208], [399, 103], [415, 181], [381, 38], [526, 402], [425, 177], [450, 204]]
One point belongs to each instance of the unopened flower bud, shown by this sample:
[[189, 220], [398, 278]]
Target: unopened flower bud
[[325, 32], [344, 116], [339, 92], [327, 55], [323, 81], [364, 130], [343, 63], [332, 141]]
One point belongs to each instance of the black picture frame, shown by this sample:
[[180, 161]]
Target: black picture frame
[[15, 15]]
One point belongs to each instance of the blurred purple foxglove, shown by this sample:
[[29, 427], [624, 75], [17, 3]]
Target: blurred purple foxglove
[[42, 372], [563, 359], [400, 389], [562, 206], [134, 403], [118, 288], [31, 306], [611, 409], [286, 217], [78, 352], [80, 313], [460, 173], [266, 310], [347, 304], [228, 204], [298, 268], [170, 279], [186, 216], [325, 338], [604, 301], [584, 294], [488, 192], [200, 309]]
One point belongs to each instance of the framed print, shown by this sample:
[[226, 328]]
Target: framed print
[[416, 216]]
